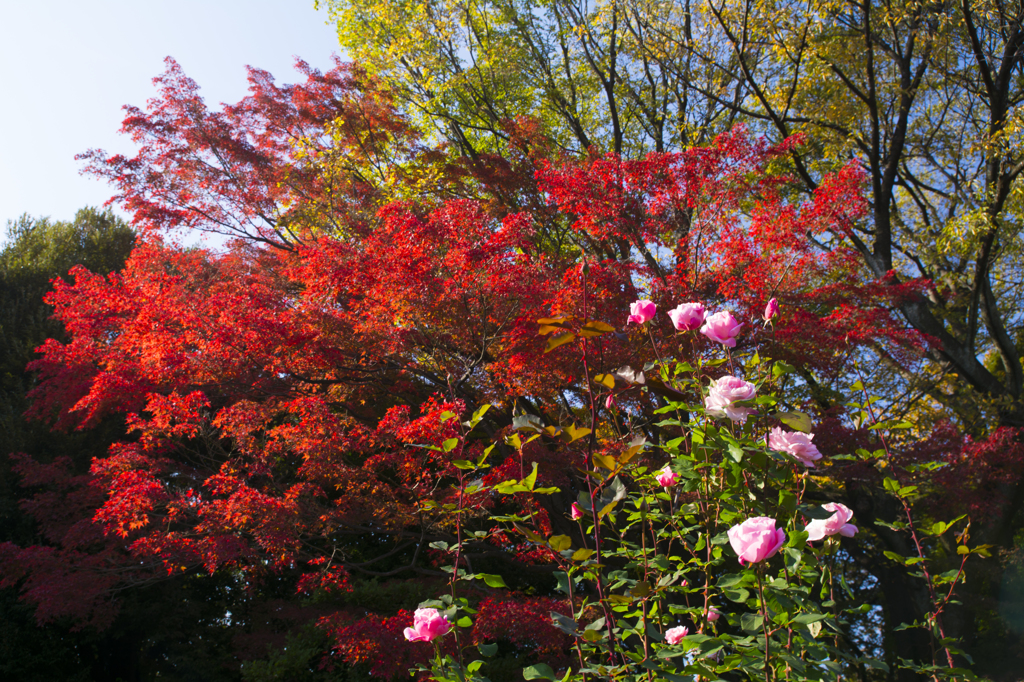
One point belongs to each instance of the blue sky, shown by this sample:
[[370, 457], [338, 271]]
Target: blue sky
[[67, 67]]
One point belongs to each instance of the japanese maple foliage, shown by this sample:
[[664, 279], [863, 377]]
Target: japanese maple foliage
[[292, 403]]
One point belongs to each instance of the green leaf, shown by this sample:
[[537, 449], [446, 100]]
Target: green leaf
[[735, 453], [781, 368], [564, 585], [492, 580], [799, 421], [751, 622], [464, 622], [793, 558], [808, 618], [738, 595], [539, 671], [487, 650]]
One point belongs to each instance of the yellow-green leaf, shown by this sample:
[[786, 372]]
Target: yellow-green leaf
[[576, 433], [559, 340], [560, 543], [595, 328], [606, 380]]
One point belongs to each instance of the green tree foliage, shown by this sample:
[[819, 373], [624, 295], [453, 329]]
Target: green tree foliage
[[36, 251], [616, 75]]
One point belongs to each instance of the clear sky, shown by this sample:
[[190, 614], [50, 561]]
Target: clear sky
[[68, 66]]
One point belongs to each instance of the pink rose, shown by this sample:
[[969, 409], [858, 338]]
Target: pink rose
[[687, 316], [771, 310], [576, 513], [427, 624], [713, 614], [756, 539], [724, 392], [819, 529], [666, 477], [794, 443], [675, 635], [723, 328], [641, 311], [609, 402]]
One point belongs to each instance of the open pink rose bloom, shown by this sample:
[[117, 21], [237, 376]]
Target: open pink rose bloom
[[723, 328], [666, 477], [756, 539], [839, 522], [797, 444], [427, 625], [641, 311], [675, 635], [687, 316], [724, 392]]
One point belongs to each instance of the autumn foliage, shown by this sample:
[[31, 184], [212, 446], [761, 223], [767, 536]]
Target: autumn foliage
[[294, 402]]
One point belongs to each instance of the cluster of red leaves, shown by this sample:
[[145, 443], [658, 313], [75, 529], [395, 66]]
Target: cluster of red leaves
[[520, 621], [72, 574], [982, 474], [378, 642], [525, 622]]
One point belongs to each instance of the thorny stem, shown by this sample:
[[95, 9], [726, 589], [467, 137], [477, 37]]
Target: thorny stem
[[936, 613], [591, 441], [764, 627]]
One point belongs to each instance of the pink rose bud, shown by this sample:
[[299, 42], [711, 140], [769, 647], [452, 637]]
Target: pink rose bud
[[818, 529], [756, 539], [723, 392], [687, 316], [675, 635], [797, 444], [771, 310], [609, 402], [576, 513], [723, 328], [427, 625], [713, 614], [666, 477], [641, 311]]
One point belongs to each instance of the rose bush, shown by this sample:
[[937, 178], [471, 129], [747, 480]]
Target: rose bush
[[642, 568]]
